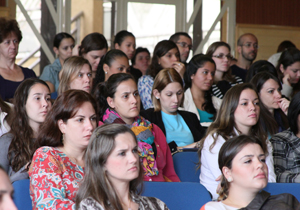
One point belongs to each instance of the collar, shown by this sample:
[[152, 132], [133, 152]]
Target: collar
[[259, 200]]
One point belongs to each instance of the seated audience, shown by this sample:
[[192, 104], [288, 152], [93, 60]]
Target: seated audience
[[63, 45], [260, 66], [113, 172], [113, 62], [198, 98], [57, 165], [273, 107], [181, 128], [223, 79], [119, 102], [165, 55], [242, 161], [286, 146], [31, 105], [288, 70], [92, 47], [141, 59], [238, 114], [76, 74], [6, 192], [125, 41], [11, 75]]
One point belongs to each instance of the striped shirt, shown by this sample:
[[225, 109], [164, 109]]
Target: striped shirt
[[223, 86]]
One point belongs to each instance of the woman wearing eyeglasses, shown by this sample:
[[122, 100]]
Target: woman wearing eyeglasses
[[223, 80]]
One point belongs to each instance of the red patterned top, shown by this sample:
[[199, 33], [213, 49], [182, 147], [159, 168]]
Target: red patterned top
[[54, 179]]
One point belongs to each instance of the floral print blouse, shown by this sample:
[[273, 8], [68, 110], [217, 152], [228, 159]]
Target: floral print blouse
[[145, 88], [54, 179]]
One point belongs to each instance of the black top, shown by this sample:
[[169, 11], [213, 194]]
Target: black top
[[237, 71]]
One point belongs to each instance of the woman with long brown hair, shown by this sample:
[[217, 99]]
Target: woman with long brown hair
[[31, 105], [57, 164], [113, 173], [238, 114]]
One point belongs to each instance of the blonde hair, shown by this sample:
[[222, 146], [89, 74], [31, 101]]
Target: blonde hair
[[70, 68], [162, 79]]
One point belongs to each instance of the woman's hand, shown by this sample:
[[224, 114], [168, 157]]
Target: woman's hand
[[75, 51], [179, 67], [286, 80], [284, 105]]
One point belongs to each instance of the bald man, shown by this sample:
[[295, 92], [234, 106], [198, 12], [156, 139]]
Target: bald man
[[247, 46]]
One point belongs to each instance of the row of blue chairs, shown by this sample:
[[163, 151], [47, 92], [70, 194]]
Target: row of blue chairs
[[177, 195]]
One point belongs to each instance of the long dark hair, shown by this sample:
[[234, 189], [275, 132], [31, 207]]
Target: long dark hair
[[287, 58], [227, 153], [96, 183], [64, 108], [161, 48], [225, 123], [268, 121], [108, 89], [260, 66], [198, 61], [22, 143], [293, 113]]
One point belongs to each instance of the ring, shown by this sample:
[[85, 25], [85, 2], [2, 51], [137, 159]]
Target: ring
[[179, 64]]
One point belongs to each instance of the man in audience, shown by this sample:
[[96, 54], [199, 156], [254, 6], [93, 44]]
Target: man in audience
[[247, 46], [6, 191], [184, 44]]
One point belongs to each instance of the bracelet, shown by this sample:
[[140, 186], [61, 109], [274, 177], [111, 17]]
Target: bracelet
[[198, 144]]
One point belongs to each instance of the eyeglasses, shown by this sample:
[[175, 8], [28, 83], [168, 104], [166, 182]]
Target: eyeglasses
[[248, 45], [185, 45], [222, 56]]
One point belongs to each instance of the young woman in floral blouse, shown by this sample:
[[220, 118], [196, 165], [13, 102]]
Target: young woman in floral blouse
[[58, 163]]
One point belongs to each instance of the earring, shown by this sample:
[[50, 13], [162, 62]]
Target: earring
[[105, 72], [62, 138], [229, 179], [157, 98]]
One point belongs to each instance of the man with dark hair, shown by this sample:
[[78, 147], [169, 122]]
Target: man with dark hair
[[6, 192], [247, 46], [184, 44]]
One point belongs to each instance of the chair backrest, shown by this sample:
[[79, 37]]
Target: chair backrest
[[178, 195], [185, 166], [278, 188], [21, 195]]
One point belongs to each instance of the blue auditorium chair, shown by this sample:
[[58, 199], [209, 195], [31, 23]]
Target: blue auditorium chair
[[21, 194], [178, 195], [278, 188], [185, 166]]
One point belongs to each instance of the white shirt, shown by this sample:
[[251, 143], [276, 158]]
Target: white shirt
[[210, 167]]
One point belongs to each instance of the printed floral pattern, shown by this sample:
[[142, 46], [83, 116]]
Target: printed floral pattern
[[54, 179]]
